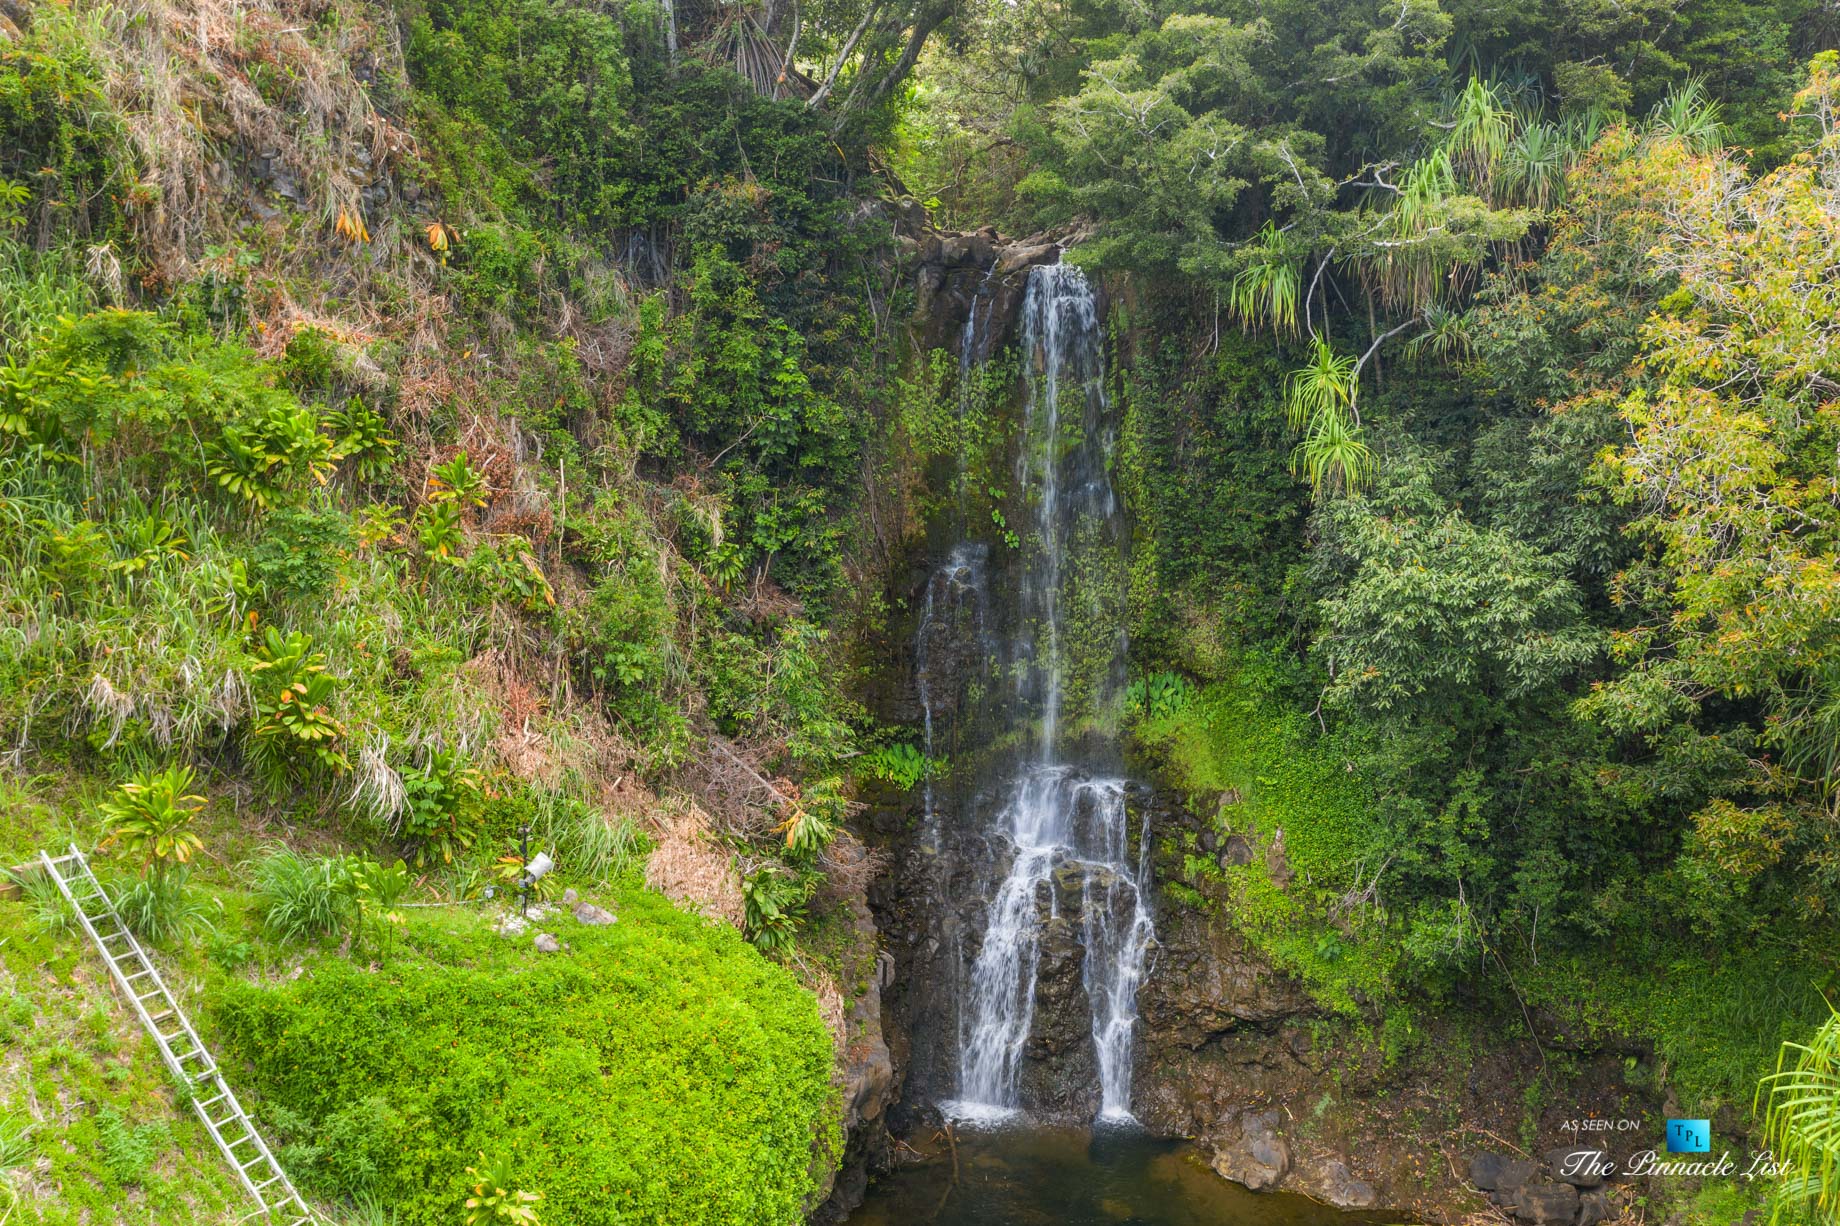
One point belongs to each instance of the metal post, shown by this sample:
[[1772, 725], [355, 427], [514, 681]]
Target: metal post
[[524, 872]]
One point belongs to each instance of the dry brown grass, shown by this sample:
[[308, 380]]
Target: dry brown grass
[[690, 867], [823, 985]]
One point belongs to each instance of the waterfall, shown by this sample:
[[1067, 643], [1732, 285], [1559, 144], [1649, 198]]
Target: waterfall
[[1061, 821]]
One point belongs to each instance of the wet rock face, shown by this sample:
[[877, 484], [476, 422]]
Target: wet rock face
[[956, 273]]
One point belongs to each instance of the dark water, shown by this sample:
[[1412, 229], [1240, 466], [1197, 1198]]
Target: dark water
[[1032, 1176]]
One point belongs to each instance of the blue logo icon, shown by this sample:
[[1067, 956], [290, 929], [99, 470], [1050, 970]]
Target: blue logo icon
[[1689, 1136]]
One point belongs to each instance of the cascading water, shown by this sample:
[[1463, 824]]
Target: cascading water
[[1068, 663]]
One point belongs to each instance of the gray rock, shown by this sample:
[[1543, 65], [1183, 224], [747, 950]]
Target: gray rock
[[1330, 1181], [1238, 850], [588, 913], [570, 897], [1251, 1152], [1580, 1166], [547, 944], [1017, 256], [1594, 1207], [1485, 1171], [1547, 1204], [1514, 1174], [512, 925]]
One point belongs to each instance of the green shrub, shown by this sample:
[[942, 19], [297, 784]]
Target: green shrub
[[297, 555], [441, 806], [660, 1071]]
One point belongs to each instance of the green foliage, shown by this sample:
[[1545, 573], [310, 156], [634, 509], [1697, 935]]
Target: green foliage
[[900, 764], [16, 1152], [456, 481], [348, 1154], [472, 1043], [811, 819], [129, 1152], [440, 814], [150, 816], [362, 436], [299, 552], [51, 912], [773, 901], [295, 733], [590, 846], [1803, 1103], [161, 908], [300, 898], [1158, 696], [496, 1197]]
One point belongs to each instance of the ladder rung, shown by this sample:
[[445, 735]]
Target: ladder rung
[[247, 1136], [266, 1182], [255, 1161], [138, 975], [161, 1016], [218, 1125]]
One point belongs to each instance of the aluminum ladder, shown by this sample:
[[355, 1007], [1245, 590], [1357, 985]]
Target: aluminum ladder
[[180, 1047]]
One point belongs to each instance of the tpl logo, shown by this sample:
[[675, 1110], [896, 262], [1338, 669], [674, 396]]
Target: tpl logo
[[1689, 1136]]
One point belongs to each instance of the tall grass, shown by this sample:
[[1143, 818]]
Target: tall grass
[[51, 913], [161, 908], [300, 897], [589, 845]]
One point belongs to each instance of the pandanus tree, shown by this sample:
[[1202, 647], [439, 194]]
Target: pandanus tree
[[1801, 1125]]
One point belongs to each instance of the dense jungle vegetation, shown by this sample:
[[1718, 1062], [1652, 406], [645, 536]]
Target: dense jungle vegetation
[[425, 420]]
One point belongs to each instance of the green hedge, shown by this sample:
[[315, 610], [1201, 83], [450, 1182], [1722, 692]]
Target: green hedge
[[659, 1070]]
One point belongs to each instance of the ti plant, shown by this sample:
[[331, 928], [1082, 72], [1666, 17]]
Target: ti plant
[[295, 727], [496, 1198], [149, 818], [362, 437], [457, 482]]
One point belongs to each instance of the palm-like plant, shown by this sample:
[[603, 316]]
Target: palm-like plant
[[1481, 127], [1268, 289], [1689, 115], [1533, 167], [1319, 400], [1409, 267], [458, 482], [363, 437], [1327, 384], [1446, 336], [1333, 457], [150, 818], [1801, 1126]]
